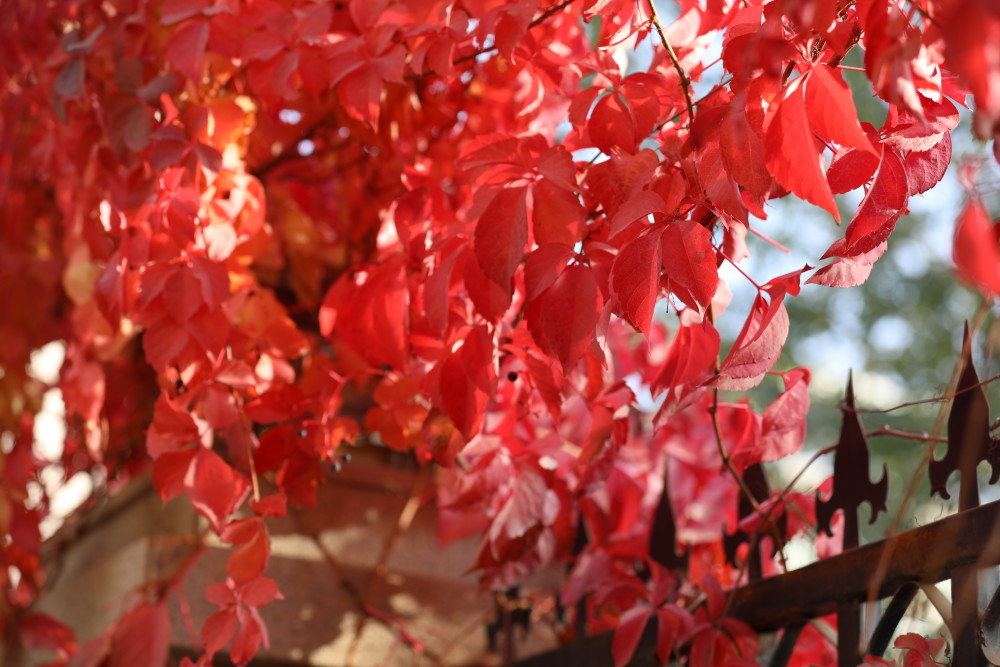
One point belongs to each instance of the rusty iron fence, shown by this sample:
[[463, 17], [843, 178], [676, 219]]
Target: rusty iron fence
[[958, 547]]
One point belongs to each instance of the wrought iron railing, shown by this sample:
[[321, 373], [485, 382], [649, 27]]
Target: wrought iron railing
[[957, 547]]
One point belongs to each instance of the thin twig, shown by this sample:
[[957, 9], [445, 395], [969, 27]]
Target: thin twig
[[726, 461], [685, 81], [536, 21], [937, 399], [245, 424], [403, 523], [923, 437], [364, 609]]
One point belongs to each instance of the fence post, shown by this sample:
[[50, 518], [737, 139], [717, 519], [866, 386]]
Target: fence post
[[968, 444], [851, 487]]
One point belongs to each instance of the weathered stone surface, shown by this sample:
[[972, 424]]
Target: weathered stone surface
[[364, 579]]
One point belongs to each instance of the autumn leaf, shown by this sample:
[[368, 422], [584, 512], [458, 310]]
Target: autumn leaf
[[563, 318], [628, 632], [976, 252], [882, 206], [791, 155], [831, 109], [689, 262], [500, 236], [635, 277], [756, 348]]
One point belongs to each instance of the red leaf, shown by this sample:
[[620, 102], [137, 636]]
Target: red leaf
[[784, 420], [522, 510], [163, 341], [218, 630], [673, 623], [848, 271], [543, 266], [173, 11], [213, 280], [635, 277], [247, 641], [490, 299], [259, 592], [215, 489], [500, 236], [972, 31], [464, 392], [187, 48], [637, 207], [611, 126], [689, 262], [141, 637], [249, 559], [831, 109], [880, 209], [171, 430], [169, 471], [556, 214], [977, 249], [563, 319], [850, 169], [220, 594], [42, 632], [628, 632], [690, 359], [743, 154], [274, 505], [792, 157], [756, 349], [924, 169]]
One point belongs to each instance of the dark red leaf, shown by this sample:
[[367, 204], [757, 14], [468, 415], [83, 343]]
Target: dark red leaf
[[141, 637], [635, 277], [743, 154], [187, 48], [628, 632], [566, 314], [500, 236], [42, 632], [689, 263]]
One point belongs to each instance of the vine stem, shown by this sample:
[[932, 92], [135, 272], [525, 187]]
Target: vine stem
[[726, 461], [685, 81], [728, 464], [245, 423]]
